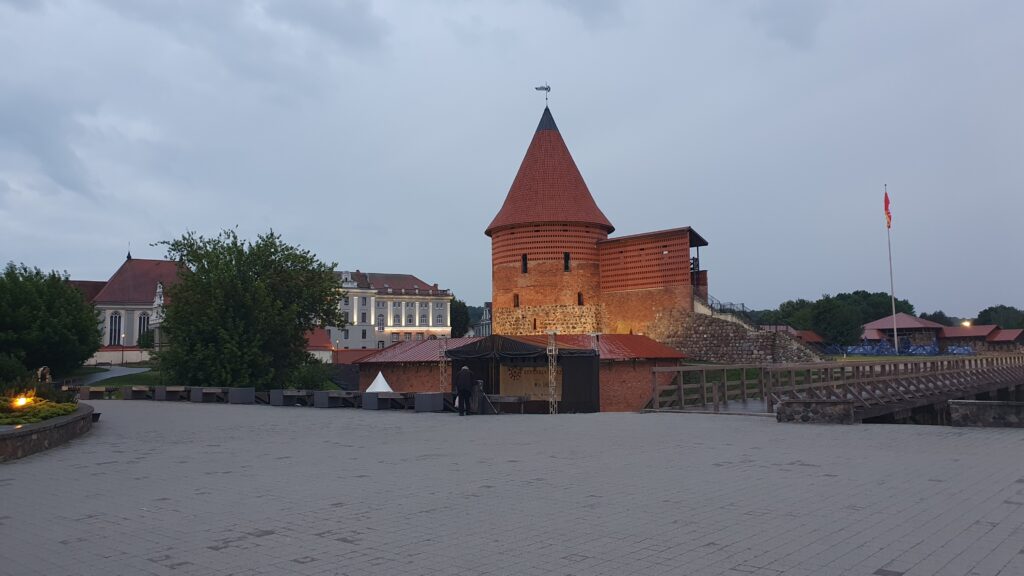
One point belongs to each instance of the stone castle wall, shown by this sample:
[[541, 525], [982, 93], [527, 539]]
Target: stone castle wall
[[703, 337], [564, 319]]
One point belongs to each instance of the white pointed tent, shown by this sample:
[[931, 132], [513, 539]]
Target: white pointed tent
[[380, 384]]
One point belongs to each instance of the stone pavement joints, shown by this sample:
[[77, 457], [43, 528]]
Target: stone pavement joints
[[189, 489]]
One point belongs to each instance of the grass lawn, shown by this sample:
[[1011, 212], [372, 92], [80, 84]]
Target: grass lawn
[[150, 378], [85, 371]]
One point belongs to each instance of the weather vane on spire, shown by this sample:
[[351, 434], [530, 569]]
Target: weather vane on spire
[[545, 89]]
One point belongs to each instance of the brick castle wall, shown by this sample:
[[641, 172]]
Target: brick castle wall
[[626, 386]]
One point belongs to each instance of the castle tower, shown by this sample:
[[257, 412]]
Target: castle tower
[[545, 263]]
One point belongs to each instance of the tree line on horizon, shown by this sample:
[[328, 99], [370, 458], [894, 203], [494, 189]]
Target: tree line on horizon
[[839, 319]]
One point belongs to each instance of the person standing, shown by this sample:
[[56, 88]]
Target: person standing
[[464, 381]]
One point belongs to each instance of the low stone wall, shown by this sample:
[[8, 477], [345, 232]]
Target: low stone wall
[[816, 411], [20, 441], [703, 337], [986, 414]]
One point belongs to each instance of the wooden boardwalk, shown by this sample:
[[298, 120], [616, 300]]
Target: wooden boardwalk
[[875, 388]]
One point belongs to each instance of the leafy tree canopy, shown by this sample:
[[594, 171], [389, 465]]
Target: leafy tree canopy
[[460, 318], [1004, 316], [939, 317], [834, 316], [44, 321], [239, 313]]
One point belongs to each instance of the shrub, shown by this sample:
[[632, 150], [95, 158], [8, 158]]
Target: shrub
[[37, 411]]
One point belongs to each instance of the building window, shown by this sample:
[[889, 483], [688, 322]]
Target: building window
[[515, 300], [344, 334], [380, 305], [362, 317], [364, 335], [114, 334], [380, 343], [423, 319], [345, 300], [408, 336], [143, 324], [362, 300], [419, 335], [344, 317], [526, 265], [380, 321], [409, 319], [579, 298], [565, 261], [439, 320], [535, 324], [398, 320], [394, 337]]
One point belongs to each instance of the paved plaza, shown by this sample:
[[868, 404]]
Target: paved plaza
[[183, 489]]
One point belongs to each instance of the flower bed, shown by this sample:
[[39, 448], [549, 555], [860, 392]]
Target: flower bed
[[22, 410]]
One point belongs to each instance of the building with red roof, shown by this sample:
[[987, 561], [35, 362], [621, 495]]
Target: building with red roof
[[608, 372], [554, 266]]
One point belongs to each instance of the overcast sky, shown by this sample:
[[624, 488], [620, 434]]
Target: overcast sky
[[385, 135]]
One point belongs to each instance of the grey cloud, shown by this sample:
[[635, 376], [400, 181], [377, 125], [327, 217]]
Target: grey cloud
[[795, 22], [592, 12], [351, 24]]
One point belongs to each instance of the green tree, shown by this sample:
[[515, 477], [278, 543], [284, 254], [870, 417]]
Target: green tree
[[44, 321], [460, 318], [146, 340], [939, 317], [1002, 315], [239, 313], [836, 320]]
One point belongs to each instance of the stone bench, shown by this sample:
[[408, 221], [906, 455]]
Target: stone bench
[[336, 399], [291, 397], [137, 393], [171, 393], [241, 395], [201, 395], [96, 392], [389, 400]]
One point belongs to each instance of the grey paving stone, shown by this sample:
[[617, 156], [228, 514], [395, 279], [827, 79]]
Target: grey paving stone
[[181, 489]]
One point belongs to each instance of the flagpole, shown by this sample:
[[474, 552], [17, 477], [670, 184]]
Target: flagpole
[[892, 288]]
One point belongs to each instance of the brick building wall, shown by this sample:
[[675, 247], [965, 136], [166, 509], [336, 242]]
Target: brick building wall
[[626, 386], [412, 377]]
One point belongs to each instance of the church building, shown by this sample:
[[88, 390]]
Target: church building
[[554, 266]]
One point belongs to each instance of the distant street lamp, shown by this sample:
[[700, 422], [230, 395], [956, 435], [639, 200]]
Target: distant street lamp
[[966, 323], [122, 348]]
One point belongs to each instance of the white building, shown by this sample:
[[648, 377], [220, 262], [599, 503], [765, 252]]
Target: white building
[[381, 309]]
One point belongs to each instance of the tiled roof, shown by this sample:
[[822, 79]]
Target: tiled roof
[[88, 288], [135, 281], [1011, 335], [904, 321], [351, 356], [612, 347], [872, 334], [318, 339], [397, 283], [548, 186], [981, 331], [415, 350]]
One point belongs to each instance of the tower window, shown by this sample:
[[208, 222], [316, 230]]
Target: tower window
[[525, 264], [534, 323], [565, 261], [515, 300], [579, 298]]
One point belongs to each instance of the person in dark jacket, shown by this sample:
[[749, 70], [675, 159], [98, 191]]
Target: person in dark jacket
[[464, 382]]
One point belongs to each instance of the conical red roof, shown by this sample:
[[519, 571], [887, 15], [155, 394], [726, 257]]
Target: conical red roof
[[548, 186]]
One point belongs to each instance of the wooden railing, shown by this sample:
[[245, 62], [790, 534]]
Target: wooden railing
[[868, 384]]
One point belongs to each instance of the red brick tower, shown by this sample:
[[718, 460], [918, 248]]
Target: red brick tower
[[545, 263]]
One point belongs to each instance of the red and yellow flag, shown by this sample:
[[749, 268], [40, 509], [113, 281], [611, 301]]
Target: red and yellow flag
[[888, 215]]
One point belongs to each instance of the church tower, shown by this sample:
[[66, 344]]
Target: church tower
[[545, 260]]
